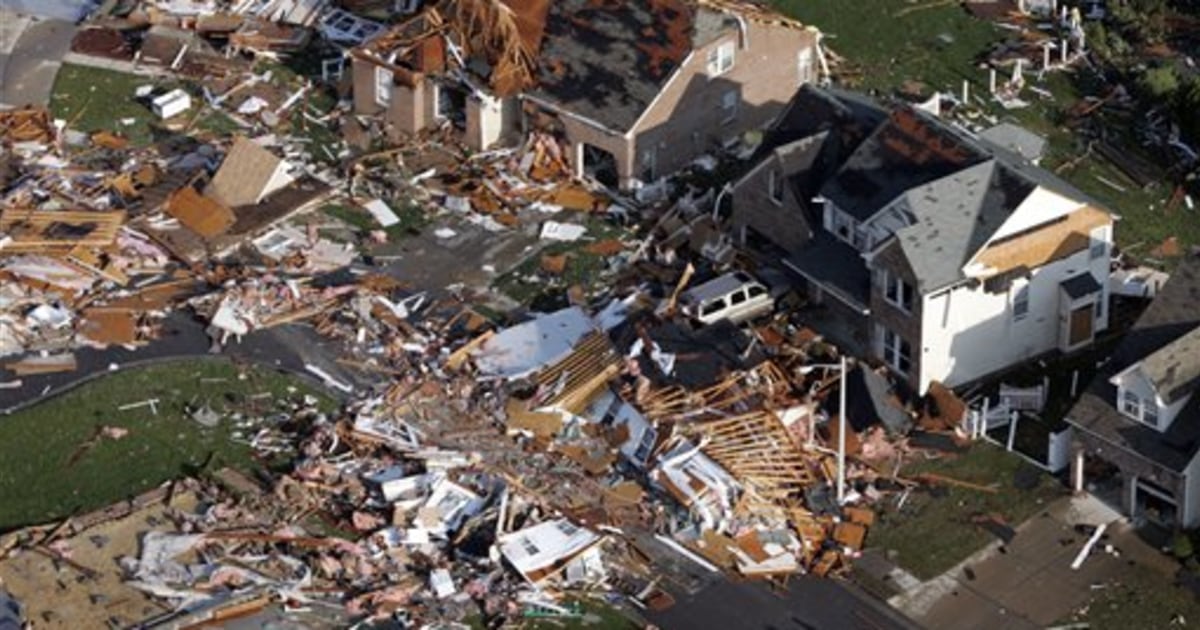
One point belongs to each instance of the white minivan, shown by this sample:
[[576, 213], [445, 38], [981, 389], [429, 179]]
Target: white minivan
[[734, 296]]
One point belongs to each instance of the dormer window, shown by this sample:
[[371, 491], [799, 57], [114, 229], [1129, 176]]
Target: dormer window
[[1137, 408]]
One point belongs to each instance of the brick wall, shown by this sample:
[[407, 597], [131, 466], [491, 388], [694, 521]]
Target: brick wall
[[782, 223], [687, 118], [906, 325]]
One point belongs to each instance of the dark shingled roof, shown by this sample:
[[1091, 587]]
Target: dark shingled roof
[[606, 60], [908, 150], [1174, 314], [836, 265], [814, 110], [1082, 285]]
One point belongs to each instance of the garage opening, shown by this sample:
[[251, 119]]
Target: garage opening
[[1154, 504], [600, 165]]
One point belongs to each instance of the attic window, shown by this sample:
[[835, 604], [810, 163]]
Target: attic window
[[775, 187], [720, 59], [1138, 408], [383, 86]]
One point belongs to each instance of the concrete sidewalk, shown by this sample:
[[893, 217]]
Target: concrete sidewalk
[[1029, 583]]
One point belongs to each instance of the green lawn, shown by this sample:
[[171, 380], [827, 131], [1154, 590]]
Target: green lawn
[[412, 218], [1142, 600], [934, 531], [592, 615], [45, 475], [91, 99], [936, 46]]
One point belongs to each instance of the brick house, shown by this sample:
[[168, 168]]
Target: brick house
[[632, 90], [955, 257]]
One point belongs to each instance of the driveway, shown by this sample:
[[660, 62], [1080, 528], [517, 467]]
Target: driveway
[[31, 52]]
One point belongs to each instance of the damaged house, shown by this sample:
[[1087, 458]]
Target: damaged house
[[1137, 427], [953, 257], [632, 91]]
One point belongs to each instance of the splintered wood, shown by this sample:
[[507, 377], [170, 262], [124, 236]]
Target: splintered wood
[[760, 452], [766, 381]]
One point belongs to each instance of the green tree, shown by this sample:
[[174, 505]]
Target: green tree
[[1159, 83]]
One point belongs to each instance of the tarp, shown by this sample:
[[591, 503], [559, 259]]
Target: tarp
[[525, 348]]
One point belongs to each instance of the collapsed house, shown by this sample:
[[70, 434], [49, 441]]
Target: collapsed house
[[953, 257], [631, 91]]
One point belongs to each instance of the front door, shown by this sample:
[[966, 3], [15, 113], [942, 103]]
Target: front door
[[1080, 328]]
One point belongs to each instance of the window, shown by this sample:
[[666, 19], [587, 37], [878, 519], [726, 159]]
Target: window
[[720, 59], [737, 298], [1131, 405], [775, 186], [756, 291], [896, 352], [567, 527], [528, 546], [713, 307], [1100, 304], [1138, 408], [897, 292], [1099, 240], [729, 106], [1020, 300], [804, 63], [383, 86]]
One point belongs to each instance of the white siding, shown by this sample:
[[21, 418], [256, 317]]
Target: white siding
[[1039, 207], [1190, 507], [969, 333]]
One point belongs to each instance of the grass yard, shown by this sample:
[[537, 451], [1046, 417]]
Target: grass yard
[[934, 530], [1142, 600], [46, 475], [892, 41], [93, 99]]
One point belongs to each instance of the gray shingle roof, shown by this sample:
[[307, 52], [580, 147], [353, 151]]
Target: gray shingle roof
[[1019, 140], [836, 265], [1174, 314]]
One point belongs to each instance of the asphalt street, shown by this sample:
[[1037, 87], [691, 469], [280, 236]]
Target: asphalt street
[[31, 52]]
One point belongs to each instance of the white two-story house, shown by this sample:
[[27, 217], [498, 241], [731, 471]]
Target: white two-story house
[[1141, 415], [959, 257]]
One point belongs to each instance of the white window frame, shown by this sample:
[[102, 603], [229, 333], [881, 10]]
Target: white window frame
[[383, 86], [893, 291], [1099, 242], [1135, 407], [1020, 299], [893, 352], [804, 65], [775, 186], [438, 114], [721, 58]]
